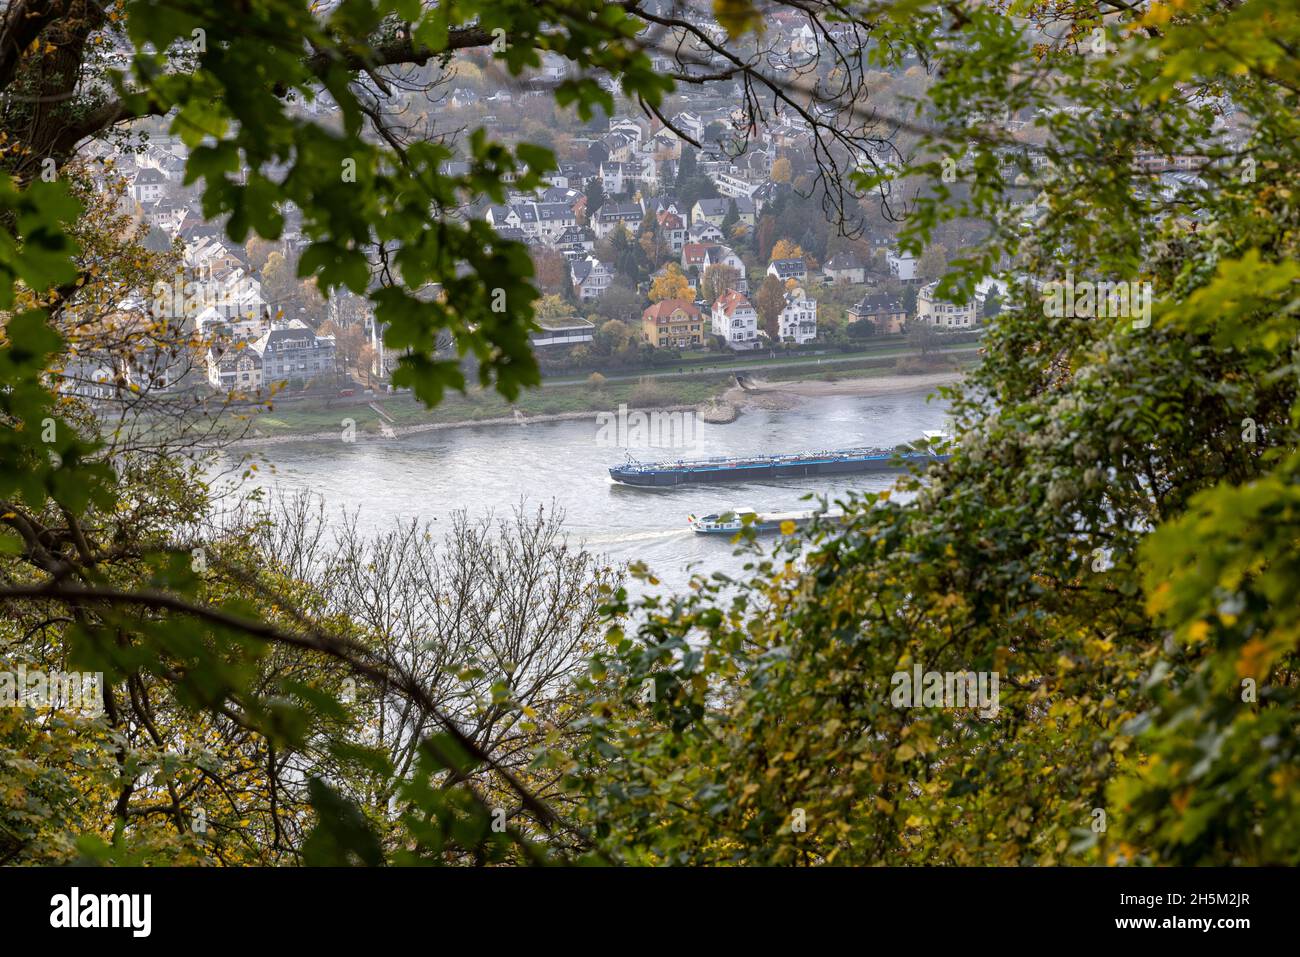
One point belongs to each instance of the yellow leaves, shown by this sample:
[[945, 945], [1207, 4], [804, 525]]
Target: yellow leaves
[[1101, 646], [1158, 14], [1283, 780], [914, 821], [1198, 631], [883, 806], [1159, 600], [1254, 659], [787, 527], [950, 601], [905, 752]]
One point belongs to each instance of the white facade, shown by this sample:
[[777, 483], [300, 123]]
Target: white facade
[[735, 320], [798, 320], [148, 186], [591, 278], [902, 266]]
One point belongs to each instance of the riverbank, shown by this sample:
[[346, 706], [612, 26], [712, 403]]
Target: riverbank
[[784, 395], [397, 416]]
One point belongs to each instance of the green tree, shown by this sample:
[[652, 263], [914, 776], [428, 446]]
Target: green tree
[[909, 299], [595, 193], [729, 221]]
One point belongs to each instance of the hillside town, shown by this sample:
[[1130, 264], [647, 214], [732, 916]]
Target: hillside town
[[645, 248]]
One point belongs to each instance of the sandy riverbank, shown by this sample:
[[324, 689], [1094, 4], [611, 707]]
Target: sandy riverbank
[[785, 395], [397, 431]]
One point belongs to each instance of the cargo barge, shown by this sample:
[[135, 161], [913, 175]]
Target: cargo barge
[[759, 467]]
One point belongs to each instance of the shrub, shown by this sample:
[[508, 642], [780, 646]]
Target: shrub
[[647, 393]]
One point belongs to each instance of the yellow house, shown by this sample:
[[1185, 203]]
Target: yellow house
[[672, 324]]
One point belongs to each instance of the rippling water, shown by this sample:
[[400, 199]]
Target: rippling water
[[431, 474]]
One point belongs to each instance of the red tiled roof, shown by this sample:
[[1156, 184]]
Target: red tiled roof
[[662, 311], [695, 252], [730, 301]]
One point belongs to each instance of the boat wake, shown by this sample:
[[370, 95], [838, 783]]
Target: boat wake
[[617, 539]]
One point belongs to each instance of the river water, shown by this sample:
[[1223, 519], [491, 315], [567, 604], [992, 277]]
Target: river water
[[492, 468]]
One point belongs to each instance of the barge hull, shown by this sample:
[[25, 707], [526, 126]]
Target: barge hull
[[668, 477]]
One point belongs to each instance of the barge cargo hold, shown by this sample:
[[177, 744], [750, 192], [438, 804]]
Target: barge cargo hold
[[760, 467]]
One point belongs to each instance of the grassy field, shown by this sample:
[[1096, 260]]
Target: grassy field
[[477, 406]]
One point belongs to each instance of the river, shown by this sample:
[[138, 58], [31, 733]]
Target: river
[[428, 475]]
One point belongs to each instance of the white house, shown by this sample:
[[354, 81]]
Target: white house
[[234, 368], [554, 67], [719, 255], [673, 231], [611, 215], [845, 268], [704, 232], [148, 185], [629, 127], [798, 320], [553, 219], [783, 269], [591, 278], [902, 266], [692, 124], [615, 178], [575, 242], [503, 217], [735, 320]]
